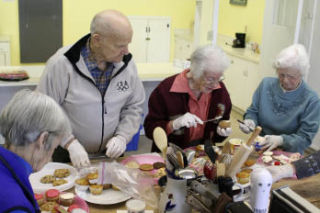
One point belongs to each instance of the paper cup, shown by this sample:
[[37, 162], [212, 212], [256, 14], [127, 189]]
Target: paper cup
[[135, 206], [235, 144]]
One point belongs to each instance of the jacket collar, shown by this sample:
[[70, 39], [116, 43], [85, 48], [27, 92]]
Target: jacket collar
[[73, 55]]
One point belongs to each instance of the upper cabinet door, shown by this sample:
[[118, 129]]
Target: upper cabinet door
[[159, 40], [138, 46], [151, 39]]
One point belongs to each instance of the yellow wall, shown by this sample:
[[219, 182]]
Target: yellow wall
[[235, 18], [9, 26], [77, 15]]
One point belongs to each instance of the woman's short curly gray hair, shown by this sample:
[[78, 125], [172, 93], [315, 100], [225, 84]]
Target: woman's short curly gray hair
[[30, 113], [294, 57], [208, 58]]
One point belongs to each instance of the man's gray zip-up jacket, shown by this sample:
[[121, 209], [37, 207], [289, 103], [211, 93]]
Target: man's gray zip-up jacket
[[95, 117]]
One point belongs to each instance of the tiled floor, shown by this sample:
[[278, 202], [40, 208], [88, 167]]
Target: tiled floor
[[145, 143]]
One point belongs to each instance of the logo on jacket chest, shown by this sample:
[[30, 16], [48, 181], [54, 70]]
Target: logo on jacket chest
[[122, 86]]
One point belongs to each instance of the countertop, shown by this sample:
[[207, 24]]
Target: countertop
[[242, 53], [225, 42], [146, 72]]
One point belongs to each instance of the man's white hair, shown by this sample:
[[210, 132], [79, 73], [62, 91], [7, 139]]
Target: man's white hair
[[104, 22], [294, 57], [208, 58]]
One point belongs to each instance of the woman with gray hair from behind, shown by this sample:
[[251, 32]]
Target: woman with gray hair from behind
[[286, 108], [182, 102], [32, 125]]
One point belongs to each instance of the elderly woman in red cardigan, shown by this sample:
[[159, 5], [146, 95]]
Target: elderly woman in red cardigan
[[181, 103]]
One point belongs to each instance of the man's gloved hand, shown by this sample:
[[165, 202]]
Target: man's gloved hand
[[78, 155], [225, 132], [187, 120], [279, 172], [247, 126], [116, 146], [271, 142]]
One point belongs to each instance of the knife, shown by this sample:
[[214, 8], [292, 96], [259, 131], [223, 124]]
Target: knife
[[213, 119], [250, 128]]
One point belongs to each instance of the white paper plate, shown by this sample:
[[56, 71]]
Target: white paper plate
[[48, 169], [107, 197]]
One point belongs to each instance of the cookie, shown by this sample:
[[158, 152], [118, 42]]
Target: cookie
[[47, 179], [146, 167], [132, 164], [159, 173], [115, 188], [61, 173], [158, 165], [59, 182], [48, 206]]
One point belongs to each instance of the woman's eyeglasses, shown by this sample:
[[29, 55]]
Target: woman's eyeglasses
[[212, 80]]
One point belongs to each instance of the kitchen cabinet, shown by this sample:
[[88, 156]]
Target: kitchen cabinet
[[151, 39], [241, 80]]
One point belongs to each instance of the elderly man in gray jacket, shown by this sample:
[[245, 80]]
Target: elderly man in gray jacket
[[95, 81]]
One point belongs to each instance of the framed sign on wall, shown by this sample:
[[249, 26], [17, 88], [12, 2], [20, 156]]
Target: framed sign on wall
[[238, 2]]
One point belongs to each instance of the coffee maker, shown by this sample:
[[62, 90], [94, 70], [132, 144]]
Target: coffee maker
[[240, 41]]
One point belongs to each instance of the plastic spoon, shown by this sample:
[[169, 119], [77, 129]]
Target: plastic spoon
[[161, 140]]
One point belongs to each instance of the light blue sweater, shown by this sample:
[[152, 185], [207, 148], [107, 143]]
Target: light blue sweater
[[294, 115]]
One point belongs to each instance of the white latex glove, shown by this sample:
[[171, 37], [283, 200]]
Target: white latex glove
[[279, 172], [187, 120], [116, 146], [78, 155], [271, 142], [225, 132], [247, 126]]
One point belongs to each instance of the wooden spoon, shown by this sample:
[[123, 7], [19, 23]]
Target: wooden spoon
[[161, 140]]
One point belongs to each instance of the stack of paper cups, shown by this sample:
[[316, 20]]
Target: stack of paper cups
[[135, 206], [261, 181]]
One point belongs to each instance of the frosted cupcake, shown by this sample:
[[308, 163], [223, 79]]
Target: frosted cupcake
[[82, 184], [96, 189]]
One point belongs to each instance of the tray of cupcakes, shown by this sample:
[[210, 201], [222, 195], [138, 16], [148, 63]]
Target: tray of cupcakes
[[53, 200], [88, 188]]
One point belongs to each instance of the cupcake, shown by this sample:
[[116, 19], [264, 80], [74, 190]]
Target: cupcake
[[243, 177], [82, 184], [96, 189], [250, 162], [93, 178], [66, 199], [52, 195], [39, 198]]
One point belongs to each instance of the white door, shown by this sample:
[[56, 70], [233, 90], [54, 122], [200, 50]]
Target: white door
[[278, 31], [138, 46], [314, 74], [158, 40]]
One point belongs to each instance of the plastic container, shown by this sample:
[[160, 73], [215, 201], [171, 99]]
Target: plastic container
[[133, 144]]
